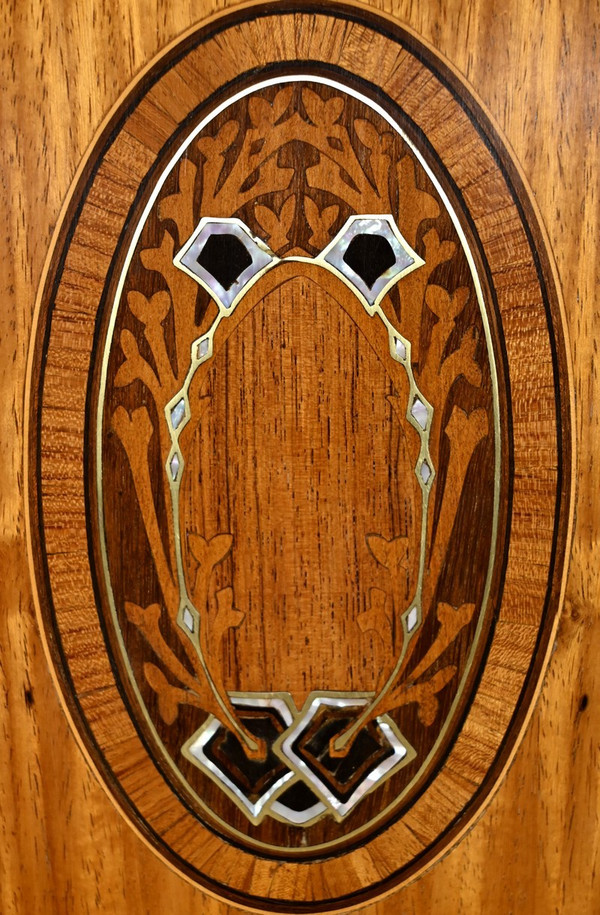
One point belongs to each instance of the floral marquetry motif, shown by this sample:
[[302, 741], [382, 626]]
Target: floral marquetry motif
[[301, 574], [336, 496]]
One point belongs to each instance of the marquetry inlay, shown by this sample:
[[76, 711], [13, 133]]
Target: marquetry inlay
[[298, 456]]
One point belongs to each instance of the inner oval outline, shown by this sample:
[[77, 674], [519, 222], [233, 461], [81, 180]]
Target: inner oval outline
[[302, 78]]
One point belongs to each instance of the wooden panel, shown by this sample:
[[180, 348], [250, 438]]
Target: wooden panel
[[47, 860], [249, 460]]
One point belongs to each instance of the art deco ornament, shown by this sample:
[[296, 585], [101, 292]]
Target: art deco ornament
[[300, 515]]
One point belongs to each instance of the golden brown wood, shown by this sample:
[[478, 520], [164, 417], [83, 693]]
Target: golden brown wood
[[299, 136], [538, 782]]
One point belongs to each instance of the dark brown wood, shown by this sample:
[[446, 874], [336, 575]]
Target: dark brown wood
[[436, 310]]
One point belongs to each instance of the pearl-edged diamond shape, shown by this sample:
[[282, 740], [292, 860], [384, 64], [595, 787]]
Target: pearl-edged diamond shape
[[406, 259], [402, 752]]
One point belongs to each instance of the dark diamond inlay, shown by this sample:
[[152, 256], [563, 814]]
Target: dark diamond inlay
[[225, 257], [252, 777], [369, 256], [341, 774], [299, 797]]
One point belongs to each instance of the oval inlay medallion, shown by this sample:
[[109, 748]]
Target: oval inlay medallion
[[299, 457]]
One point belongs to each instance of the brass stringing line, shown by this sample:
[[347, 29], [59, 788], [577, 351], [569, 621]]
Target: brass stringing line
[[174, 487], [424, 456], [185, 602], [425, 489], [348, 91]]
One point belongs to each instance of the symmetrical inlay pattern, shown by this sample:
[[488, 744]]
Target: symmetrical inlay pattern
[[370, 257], [293, 588]]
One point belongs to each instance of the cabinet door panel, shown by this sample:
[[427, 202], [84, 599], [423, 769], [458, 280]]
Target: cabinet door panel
[[66, 848]]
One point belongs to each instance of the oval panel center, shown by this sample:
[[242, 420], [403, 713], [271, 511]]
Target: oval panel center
[[300, 457], [299, 453]]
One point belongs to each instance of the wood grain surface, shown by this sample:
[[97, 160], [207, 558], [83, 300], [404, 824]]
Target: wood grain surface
[[65, 848]]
